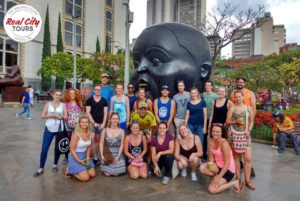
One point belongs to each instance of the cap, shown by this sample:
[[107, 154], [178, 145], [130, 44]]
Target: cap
[[142, 105], [164, 87], [104, 75]]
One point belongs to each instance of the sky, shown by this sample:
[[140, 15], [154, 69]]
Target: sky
[[285, 12]]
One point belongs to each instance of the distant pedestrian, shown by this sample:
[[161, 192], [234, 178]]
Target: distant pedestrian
[[31, 94], [25, 103]]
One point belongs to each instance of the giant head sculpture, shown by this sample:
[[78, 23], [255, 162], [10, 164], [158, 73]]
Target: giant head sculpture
[[170, 52]]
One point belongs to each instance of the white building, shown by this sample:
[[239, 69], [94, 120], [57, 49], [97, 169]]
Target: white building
[[102, 18]]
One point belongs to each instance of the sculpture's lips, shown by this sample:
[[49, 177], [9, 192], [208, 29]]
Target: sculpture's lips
[[145, 81]]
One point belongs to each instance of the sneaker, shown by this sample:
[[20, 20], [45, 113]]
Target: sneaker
[[194, 176], [54, 168], [159, 175], [274, 147], [29, 118], [65, 161], [165, 180], [280, 151], [183, 173]]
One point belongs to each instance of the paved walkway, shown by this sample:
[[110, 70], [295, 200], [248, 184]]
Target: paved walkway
[[277, 176]]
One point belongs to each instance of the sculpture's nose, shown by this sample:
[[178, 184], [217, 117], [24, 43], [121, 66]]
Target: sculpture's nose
[[143, 67]]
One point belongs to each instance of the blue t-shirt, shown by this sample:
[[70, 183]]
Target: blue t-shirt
[[107, 93], [196, 112], [27, 98], [132, 99]]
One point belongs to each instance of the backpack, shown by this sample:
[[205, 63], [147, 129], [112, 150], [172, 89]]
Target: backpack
[[21, 97]]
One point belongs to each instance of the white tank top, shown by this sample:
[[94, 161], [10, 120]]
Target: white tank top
[[52, 123], [82, 145]]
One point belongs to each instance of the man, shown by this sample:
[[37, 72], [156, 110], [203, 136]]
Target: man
[[25, 102], [284, 127], [209, 96], [181, 99], [107, 91], [96, 109], [131, 96], [164, 108], [249, 99], [146, 120], [168, 52]]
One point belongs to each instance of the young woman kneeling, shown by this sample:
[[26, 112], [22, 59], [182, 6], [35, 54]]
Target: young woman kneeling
[[79, 164], [135, 148], [221, 163]]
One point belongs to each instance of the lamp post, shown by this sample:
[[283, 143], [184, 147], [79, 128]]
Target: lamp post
[[127, 53], [74, 45]]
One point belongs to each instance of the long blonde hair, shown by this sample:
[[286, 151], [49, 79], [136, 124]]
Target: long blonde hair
[[78, 128]]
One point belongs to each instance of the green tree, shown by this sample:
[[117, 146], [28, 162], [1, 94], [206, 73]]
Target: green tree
[[46, 52], [46, 39], [98, 49], [59, 42]]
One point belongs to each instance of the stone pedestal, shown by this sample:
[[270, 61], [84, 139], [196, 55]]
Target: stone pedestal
[[12, 94]]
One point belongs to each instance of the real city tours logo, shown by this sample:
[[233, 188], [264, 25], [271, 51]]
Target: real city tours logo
[[22, 23]]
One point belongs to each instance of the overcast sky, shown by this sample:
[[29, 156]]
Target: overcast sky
[[285, 12]]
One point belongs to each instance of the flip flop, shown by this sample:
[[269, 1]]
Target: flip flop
[[250, 185]]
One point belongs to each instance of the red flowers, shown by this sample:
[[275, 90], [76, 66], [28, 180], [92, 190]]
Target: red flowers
[[263, 118]]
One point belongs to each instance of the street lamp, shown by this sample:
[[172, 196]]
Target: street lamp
[[74, 45], [129, 19]]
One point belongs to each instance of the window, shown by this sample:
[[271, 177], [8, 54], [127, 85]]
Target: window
[[3, 8], [109, 3], [78, 8], [9, 50], [109, 41], [109, 21], [69, 33]]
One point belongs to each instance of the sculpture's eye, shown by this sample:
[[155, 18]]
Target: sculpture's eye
[[155, 62]]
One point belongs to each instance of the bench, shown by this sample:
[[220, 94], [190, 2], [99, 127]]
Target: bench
[[43, 98]]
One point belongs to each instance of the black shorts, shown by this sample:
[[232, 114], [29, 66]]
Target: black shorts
[[228, 176], [97, 130]]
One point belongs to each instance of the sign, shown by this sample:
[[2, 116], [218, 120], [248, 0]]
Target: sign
[[22, 23]]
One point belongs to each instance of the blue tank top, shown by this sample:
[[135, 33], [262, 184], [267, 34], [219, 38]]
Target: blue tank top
[[120, 108], [164, 109]]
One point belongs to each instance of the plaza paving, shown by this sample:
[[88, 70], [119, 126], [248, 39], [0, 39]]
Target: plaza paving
[[277, 176]]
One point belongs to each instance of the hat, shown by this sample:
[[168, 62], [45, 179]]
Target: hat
[[164, 87], [142, 105], [276, 114], [104, 75]]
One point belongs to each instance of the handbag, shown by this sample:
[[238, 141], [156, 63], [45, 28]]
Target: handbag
[[62, 142], [175, 170], [137, 164], [106, 152]]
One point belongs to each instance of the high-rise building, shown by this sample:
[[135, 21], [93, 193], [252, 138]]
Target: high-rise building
[[104, 19], [184, 11], [265, 39]]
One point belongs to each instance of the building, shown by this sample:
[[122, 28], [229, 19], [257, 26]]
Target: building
[[289, 47], [94, 18], [184, 11], [265, 39]]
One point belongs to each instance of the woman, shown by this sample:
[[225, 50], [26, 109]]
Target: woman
[[196, 114], [113, 136], [219, 108], [135, 148], [221, 163], [142, 98], [54, 112], [240, 122], [74, 107], [188, 151], [120, 104], [162, 150], [79, 164]]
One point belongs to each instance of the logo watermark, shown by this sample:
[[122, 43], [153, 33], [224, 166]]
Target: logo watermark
[[22, 23]]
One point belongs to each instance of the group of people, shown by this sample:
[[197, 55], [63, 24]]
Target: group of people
[[142, 136]]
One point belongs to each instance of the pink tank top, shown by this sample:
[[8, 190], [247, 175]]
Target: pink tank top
[[218, 156]]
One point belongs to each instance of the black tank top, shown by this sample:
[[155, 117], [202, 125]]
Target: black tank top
[[220, 113], [188, 153]]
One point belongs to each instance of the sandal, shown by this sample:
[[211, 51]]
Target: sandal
[[250, 185], [241, 187]]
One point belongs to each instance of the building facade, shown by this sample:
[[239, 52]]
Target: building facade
[[184, 11], [265, 39], [104, 19]]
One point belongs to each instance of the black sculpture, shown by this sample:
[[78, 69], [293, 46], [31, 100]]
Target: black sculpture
[[170, 52]]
